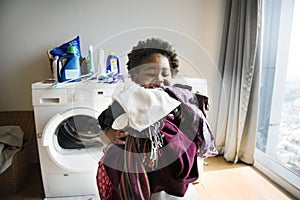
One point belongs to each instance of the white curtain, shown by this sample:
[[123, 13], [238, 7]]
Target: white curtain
[[240, 68]]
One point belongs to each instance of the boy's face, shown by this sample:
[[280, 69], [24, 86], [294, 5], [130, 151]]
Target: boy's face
[[153, 72]]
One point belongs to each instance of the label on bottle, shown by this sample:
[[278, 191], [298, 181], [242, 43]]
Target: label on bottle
[[72, 73], [114, 65]]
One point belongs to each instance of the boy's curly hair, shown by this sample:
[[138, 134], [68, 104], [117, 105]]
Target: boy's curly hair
[[151, 46]]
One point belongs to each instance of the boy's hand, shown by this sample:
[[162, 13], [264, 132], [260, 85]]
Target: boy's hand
[[115, 136]]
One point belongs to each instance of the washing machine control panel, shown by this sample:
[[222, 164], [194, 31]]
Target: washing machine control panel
[[48, 101]]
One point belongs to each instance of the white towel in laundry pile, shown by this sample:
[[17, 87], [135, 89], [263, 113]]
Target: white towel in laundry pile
[[143, 107]]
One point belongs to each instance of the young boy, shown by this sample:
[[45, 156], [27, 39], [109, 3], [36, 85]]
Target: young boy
[[161, 146]]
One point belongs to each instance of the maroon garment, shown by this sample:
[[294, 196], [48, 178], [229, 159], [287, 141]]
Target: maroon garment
[[177, 163], [174, 177]]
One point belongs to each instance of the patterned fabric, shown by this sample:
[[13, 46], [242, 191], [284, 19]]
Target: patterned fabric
[[134, 182], [104, 184]]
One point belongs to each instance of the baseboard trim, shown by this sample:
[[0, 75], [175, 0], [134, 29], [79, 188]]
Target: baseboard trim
[[277, 179]]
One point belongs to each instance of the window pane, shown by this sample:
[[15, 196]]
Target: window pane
[[288, 149], [278, 135]]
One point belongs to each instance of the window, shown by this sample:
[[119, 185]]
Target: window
[[278, 137]]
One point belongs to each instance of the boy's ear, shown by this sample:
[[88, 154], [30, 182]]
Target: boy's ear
[[134, 77]]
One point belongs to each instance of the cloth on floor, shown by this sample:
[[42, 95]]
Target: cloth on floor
[[11, 141]]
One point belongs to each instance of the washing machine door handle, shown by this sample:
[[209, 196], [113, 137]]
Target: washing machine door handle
[[50, 128]]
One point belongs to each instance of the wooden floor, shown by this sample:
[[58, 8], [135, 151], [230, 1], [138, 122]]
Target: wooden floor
[[226, 181], [221, 181]]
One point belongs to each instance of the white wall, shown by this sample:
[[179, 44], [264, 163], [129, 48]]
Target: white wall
[[29, 28]]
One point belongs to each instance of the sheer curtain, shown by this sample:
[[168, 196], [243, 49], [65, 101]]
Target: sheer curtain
[[240, 68]]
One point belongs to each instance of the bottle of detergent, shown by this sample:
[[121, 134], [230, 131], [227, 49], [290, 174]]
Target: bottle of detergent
[[71, 65], [112, 63]]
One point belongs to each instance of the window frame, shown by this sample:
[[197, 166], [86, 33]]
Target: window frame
[[275, 49]]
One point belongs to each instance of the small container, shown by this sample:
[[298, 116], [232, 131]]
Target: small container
[[112, 63], [71, 66], [54, 68]]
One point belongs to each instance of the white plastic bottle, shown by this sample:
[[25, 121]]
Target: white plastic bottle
[[101, 61], [91, 60]]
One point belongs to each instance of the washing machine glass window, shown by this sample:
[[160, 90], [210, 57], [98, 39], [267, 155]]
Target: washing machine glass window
[[77, 132], [79, 156]]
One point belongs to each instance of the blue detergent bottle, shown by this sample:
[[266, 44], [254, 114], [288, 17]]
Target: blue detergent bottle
[[112, 63], [71, 67]]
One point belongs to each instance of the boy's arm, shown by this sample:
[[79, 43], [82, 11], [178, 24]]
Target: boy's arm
[[105, 119], [115, 136]]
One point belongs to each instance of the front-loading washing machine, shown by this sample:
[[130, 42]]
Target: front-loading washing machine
[[67, 135]]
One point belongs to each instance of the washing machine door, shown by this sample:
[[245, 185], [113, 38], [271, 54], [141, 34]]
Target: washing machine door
[[72, 139]]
